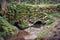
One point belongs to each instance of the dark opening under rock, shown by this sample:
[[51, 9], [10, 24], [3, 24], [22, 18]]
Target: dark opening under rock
[[18, 25], [38, 24]]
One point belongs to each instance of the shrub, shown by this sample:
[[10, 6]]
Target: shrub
[[6, 29], [25, 12]]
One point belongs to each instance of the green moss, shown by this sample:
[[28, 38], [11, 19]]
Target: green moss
[[42, 33], [6, 27]]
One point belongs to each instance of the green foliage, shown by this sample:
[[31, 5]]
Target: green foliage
[[47, 19], [6, 28], [41, 1], [24, 13], [41, 34], [17, 11]]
